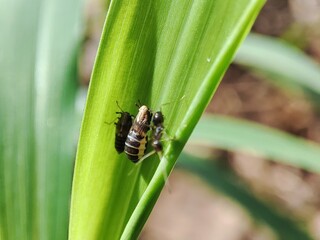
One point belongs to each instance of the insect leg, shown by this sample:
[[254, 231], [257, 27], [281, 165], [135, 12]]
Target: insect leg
[[145, 156], [109, 123]]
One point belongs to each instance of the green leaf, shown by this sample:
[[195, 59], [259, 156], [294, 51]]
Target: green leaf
[[39, 42], [225, 182], [157, 52], [17, 139], [232, 134], [280, 60]]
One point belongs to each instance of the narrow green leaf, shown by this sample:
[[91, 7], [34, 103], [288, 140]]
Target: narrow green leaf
[[157, 52], [226, 183], [232, 134], [280, 60], [38, 48], [18, 24], [56, 123]]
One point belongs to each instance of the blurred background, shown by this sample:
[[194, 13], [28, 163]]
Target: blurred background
[[191, 209]]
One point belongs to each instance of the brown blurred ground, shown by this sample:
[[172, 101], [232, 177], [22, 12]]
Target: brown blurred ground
[[192, 210]]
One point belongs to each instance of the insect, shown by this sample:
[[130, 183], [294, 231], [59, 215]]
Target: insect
[[136, 143], [158, 129], [122, 129], [137, 139], [156, 137]]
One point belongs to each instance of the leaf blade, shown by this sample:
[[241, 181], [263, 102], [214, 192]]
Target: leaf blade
[[37, 116], [220, 131], [142, 55], [281, 61]]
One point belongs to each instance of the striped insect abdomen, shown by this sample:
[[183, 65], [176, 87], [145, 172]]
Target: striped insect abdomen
[[137, 139], [135, 146]]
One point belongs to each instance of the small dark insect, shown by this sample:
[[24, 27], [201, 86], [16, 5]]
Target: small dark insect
[[137, 139], [156, 138], [122, 129], [158, 129]]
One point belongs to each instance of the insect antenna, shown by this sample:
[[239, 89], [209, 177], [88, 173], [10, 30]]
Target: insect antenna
[[119, 107], [139, 104], [167, 103], [109, 123]]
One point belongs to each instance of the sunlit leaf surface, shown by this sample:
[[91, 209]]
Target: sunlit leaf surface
[[155, 52]]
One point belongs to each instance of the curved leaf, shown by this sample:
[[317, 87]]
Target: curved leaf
[[38, 47], [157, 52], [235, 134], [280, 60]]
